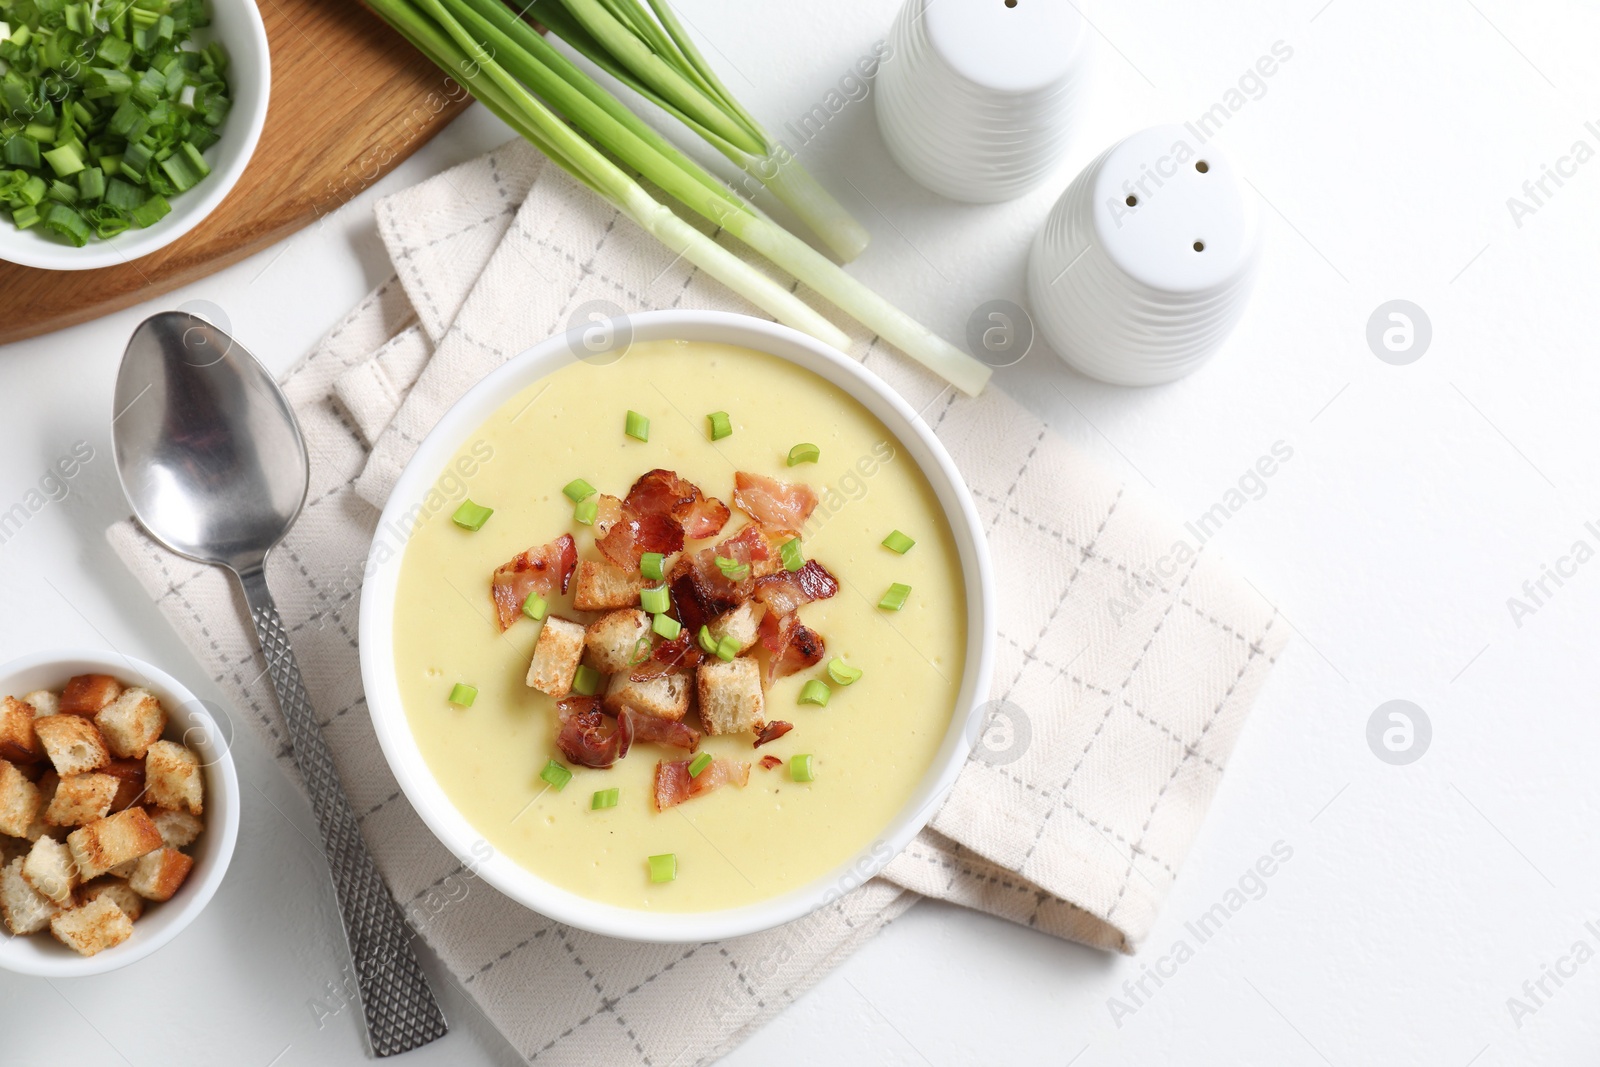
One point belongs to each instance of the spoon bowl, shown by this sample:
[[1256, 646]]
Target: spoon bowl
[[205, 443]]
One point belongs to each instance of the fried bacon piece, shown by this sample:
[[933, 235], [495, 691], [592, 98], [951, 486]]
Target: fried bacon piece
[[772, 731], [770, 763], [785, 592], [545, 570], [664, 492], [632, 535], [701, 592], [679, 654], [585, 738], [608, 512], [674, 786], [784, 505], [757, 544], [790, 645], [662, 731]]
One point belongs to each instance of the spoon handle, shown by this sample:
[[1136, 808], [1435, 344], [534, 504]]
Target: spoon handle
[[400, 1010]]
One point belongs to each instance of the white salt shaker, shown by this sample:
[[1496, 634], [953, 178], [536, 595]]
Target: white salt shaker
[[1145, 263], [976, 99]]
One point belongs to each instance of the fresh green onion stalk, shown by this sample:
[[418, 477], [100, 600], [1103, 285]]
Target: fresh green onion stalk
[[648, 51], [505, 62]]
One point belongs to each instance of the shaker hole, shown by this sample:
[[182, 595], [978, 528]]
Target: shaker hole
[[1132, 201], [1202, 166], [1199, 246], [1011, 3]]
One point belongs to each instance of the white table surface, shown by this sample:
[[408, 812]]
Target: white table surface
[[1419, 498]]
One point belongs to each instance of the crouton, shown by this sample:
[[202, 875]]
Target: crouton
[[131, 723], [121, 894], [43, 703], [743, 624], [172, 778], [160, 873], [114, 840], [73, 743], [124, 871], [24, 908], [81, 799], [129, 774], [178, 828], [95, 927], [665, 696], [603, 586], [50, 870], [19, 801], [555, 660], [88, 693], [18, 741], [618, 640], [731, 700]]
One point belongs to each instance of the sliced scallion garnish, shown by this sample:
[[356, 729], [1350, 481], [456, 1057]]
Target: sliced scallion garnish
[[698, 765], [898, 542], [708, 644], [470, 516], [793, 558], [800, 768], [728, 648], [816, 692], [579, 490], [666, 626], [650, 565], [842, 672], [663, 868], [535, 607], [462, 695], [586, 682], [557, 775], [586, 511], [636, 426], [720, 426], [895, 598], [655, 599], [805, 452], [604, 798], [732, 569]]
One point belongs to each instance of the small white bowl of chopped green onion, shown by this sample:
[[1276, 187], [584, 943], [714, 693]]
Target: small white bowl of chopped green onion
[[123, 123]]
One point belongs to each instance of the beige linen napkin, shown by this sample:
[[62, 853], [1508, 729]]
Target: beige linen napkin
[[1128, 656]]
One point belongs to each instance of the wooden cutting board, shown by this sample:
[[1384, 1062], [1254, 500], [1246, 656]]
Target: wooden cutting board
[[350, 100]]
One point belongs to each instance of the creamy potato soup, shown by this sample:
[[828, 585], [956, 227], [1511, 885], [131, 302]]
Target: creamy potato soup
[[869, 745]]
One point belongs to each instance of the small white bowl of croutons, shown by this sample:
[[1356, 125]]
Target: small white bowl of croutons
[[119, 809]]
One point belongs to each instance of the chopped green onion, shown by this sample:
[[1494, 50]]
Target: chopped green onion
[[800, 768], [708, 644], [698, 765], [666, 626], [604, 798], [816, 692], [557, 775], [586, 682], [842, 672], [579, 490], [65, 161], [470, 516], [895, 598], [586, 511], [732, 569], [650, 565], [462, 695], [535, 607], [150, 212], [898, 542], [720, 426], [728, 648], [664, 868], [637, 426], [804, 453], [655, 599], [793, 558]]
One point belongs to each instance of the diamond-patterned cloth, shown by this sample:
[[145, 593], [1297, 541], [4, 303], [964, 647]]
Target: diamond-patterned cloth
[[1128, 655]]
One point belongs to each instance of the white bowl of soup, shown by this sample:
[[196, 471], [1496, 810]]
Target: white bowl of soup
[[482, 744]]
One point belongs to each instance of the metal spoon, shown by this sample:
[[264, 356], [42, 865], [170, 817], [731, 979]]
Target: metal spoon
[[212, 460]]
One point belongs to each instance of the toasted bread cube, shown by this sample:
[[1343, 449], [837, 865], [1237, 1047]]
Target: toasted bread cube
[[603, 586], [665, 696], [73, 743], [731, 700], [43, 703], [743, 624], [172, 778], [618, 640], [178, 828], [114, 840], [24, 908], [81, 799], [129, 774], [18, 741], [50, 870], [88, 693], [123, 871], [555, 659], [159, 874], [95, 927], [121, 894], [19, 801], [131, 723], [11, 848]]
